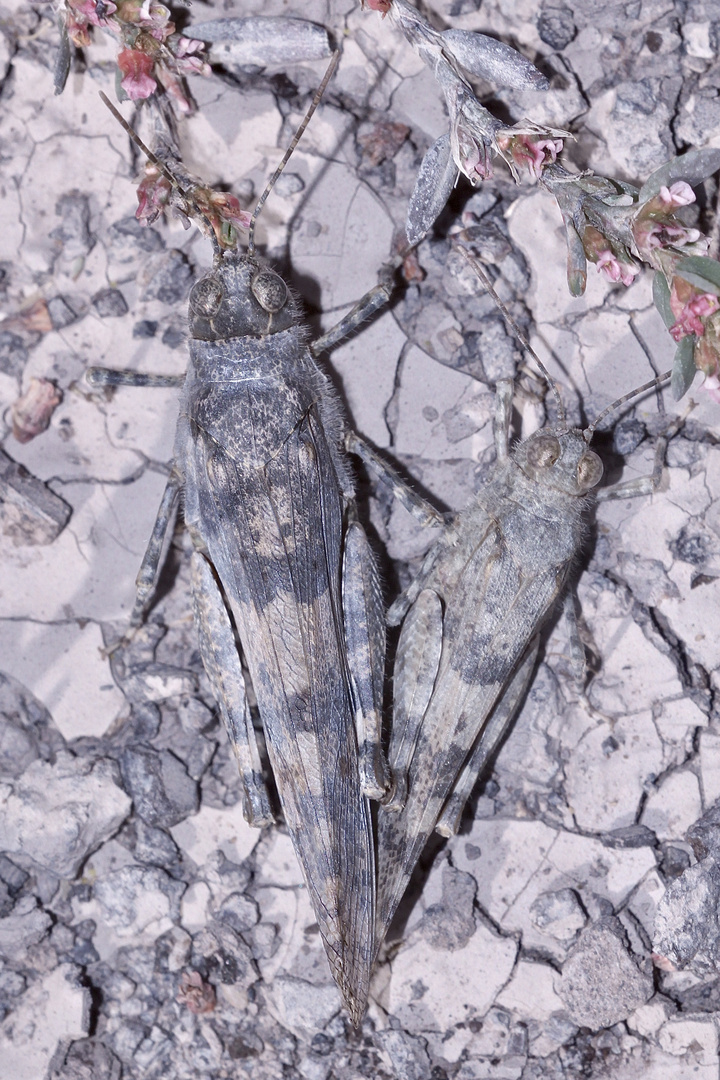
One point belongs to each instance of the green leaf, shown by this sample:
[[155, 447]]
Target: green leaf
[[63, 60], [701, 272], [661, 296], [693, 168], [576, 261], [683, 369]]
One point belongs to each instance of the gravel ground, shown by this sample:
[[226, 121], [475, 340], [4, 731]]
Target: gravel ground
[[571, 928]]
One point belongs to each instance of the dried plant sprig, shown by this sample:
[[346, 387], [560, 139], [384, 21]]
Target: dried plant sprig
[[151, 52], [620, 228], [475, 136], [615, 225]]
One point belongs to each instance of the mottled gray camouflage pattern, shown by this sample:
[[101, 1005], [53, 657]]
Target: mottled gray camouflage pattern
[[267, 498], [468, 643]]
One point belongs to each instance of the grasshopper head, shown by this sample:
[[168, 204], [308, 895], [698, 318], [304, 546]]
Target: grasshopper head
[[240, 297], [560, 461]]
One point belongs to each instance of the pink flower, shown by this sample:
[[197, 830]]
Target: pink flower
[[93, 12], [186, 46], [187, 62], [228, 208], [155, 18], [711, 386], [609, 265], [531, 151], [194, 992], [378, 5], [678, 194], [688, 321], [153, 194], [77, 29], [174, 87], [469, 152], [663, 234], [136, 67]]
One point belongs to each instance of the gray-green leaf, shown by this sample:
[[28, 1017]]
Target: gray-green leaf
[[263, 40], [435, 181], [661, 296], [63, 59], [693, 168], [576, 260], [493, 60], [701, 272], [683, 369]]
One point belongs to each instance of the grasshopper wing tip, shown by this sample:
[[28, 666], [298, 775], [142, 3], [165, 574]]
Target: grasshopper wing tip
[[356, 1007]]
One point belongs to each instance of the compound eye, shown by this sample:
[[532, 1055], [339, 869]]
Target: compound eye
[[589, 471], [269, 290], [543, 451], [206, 296]]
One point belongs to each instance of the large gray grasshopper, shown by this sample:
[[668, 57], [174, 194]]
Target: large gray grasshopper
[[282, 567], [472, 616]]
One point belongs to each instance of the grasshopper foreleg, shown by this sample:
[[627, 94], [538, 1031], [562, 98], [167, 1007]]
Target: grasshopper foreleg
[[642, 485], [222, 663], [100, 376], [148, 572], [423, 512], [366, 306]]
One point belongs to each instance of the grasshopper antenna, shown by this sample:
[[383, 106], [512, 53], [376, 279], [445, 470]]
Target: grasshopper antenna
[[656, 382], [145, 149], [286, 156], [519, 334], [160, 165]]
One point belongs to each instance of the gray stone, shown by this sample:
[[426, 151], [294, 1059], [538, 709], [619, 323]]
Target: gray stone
[[30, 512], [647, 578], [303, 1007], [61, 312], [289, 184], [149, 845], [407, 1053], [627, 435], [168, 277], [73, 234], [27, 730], [558, 913], [145, 328], [239, 911], [109, 303], [687, 922], [13, 353], [26, 925], [704, 834], [225, 955], [136, 897], [600, 982], [55, 815], [555, 25], [162, 792], [130, 230], [86, 1059], [52, 1013], [174, 336], [451, 923]]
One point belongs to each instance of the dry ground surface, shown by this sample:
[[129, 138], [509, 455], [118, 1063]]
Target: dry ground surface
[[525, 947]]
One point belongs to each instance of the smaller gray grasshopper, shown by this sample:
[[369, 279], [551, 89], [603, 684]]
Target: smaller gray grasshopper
[[281, 564], [471, 622]]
